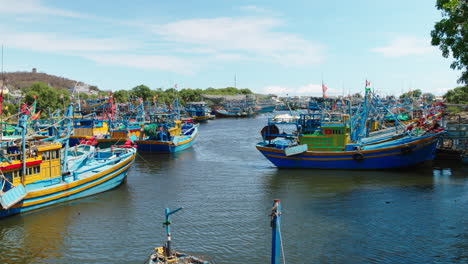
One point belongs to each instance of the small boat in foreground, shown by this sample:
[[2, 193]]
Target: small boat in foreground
[[166, 255]]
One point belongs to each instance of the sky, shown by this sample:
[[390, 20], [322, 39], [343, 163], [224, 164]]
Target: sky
[[281, 47]]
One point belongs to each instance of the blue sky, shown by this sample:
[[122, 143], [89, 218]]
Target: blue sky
[[282, 47]]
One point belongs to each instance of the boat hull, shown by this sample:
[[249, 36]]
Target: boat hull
[[166, 146], [399, 156], [201, 119], [266, 109], [67, 191]]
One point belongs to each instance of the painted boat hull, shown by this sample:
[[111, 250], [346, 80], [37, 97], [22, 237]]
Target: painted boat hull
[[67, 191], [108, 142], [201, 119], [398, 156], [266, 109], [166, 146]]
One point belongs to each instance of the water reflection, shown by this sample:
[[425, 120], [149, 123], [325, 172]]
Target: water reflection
[[414, 215]]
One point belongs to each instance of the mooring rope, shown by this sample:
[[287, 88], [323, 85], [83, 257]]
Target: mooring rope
[[282, 247]]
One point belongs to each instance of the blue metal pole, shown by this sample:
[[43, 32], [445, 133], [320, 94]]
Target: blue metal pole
[[276, 236], [167, 223]]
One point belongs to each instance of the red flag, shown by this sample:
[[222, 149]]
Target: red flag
[[367, 83], [25, 109], [36, 116], [324, 89]]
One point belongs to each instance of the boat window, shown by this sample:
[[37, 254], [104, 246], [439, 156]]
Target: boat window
[[45, 155]]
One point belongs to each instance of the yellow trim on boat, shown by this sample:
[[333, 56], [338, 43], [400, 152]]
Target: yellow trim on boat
[[79, 182], [71, 192]]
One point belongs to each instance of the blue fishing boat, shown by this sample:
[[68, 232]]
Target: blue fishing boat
[[317, 141], [198, 111], [39, 173], [166, 255], [235, 112], [265, 109], [166, 134]]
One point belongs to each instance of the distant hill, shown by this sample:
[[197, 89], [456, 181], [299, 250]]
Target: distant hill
[[25, 79]]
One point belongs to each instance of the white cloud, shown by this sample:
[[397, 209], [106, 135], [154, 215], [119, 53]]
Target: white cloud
[[149, 62], [49, 42], [256, 9], [307, 89], [254, 37], [405, 46], [33, 7]]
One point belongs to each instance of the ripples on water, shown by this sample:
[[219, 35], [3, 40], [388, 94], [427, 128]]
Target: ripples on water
[[227, 189]]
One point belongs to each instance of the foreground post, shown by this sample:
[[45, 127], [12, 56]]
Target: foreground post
[[276, 236]]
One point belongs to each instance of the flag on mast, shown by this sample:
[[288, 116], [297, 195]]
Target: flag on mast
[[367, 86], [324, 89]]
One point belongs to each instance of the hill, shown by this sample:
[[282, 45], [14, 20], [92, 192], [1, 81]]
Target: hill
[[25, 79]]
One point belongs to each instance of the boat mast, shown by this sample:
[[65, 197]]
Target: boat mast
[[167, 223], [67, 118], [23, 123], [276, 232]]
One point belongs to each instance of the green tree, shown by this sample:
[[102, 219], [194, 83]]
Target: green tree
[[451, 34], [46, 96], [416, 93], [458, 95], [142, 91], [428, 97], [121, 96]]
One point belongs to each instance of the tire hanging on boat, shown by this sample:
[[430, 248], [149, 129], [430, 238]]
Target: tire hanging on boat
[[358, 157], [406, 150], [269, 131]]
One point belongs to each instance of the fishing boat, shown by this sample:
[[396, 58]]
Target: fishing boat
[[166, 134], [39, 173], [314, 141], [88, 127], [198, 111], [265, 105], [235, 112], [120, 132], [166, 255]]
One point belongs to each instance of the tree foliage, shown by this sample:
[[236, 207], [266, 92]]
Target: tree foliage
[[46, 97], [169, 95], [451, 34], [458, 95], [143, 92], [416, 93]]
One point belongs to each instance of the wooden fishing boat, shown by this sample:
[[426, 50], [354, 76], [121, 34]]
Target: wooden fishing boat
[[88, 127], [167, 135], [323, 143], [234, 112], [198, 111], [166, 255], [36, 174]]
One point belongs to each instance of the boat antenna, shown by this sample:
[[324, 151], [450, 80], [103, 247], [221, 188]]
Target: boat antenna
[[235, 80], [3, 73], [167, 224]]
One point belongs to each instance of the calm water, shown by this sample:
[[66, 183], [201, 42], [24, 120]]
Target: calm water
[[227, 189]]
